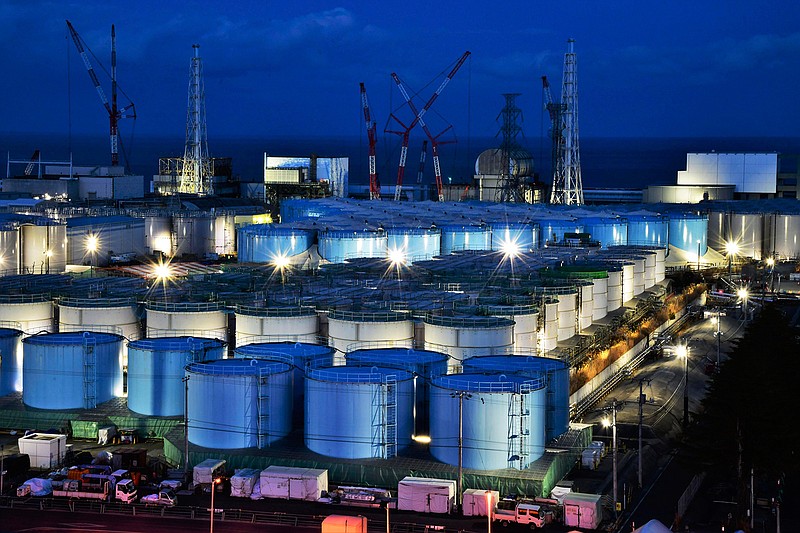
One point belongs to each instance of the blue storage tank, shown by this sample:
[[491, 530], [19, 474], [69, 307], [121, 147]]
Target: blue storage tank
[[521, 235], [338, 245], [609, 231], [686, 230], [456, 237], [553, 229], [503, 420], [10, 361], [263, 243], [301, 355], [423, 363], [555, 372], [648, 230], [415, 244], [300, 210], [239, 403], [156, 368], [358, 413], [71, 370]]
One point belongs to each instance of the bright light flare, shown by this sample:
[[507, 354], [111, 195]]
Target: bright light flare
[[162, 271], [770, 262], [422, 439], [92, 244], [280, 261], [397, 256], [742, 293], [49, 253], [510, 249], [731, 248], [682, 351], [606, 422]]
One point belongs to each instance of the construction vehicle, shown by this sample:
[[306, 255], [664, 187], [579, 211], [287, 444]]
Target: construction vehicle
[[116, 486]]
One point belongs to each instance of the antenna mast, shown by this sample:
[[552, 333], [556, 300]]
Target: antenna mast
[[567, 185]]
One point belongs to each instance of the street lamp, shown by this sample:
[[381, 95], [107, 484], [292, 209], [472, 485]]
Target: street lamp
[[698, 255], [489, 511], [642, 401], [731, 249], [743, 294], [683, 353], [92, 246], [615, 405], [214, 483], [460, 482]]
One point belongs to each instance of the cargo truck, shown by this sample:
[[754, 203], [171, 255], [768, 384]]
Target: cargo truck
[[116, 486], [530, 514]]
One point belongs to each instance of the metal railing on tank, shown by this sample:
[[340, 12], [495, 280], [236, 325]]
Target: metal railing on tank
[[251, 310], [407, 344], [466, 321], [94, 302], [156, 305], [520, 386], [367, 376], [244, 340]]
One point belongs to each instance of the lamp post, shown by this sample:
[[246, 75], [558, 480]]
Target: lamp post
[[185, 425], [91, 247], [718, 335], [731, 249], [489, 511], [642, 400], [743, 293], [683, 353], [214, 483], [698, 255], [615, 405], [460, 481]]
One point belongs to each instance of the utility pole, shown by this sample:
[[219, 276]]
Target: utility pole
[[461, 395], [642, 400], [718, 334], [614, 407]]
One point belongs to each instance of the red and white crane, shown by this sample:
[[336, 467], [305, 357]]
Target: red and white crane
[[114, 113], [418, 118], [374, 185]]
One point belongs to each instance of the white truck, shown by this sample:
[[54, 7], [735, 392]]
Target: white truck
[[531, 514], [164, 498], [115, 486]]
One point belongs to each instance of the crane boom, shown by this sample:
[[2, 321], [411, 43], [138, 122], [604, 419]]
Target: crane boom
[[418, 114], [374, 185], [114, 113]]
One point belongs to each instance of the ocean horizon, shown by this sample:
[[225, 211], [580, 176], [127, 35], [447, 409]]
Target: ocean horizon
[[605, 162]]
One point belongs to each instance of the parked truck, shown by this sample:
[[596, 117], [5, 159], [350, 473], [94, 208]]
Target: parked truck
[[115, 486], [530, 514]]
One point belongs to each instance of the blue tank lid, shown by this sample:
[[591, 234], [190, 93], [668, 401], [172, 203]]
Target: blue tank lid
[[9, 332], [73, 338], [488, 383], [513, 363], [402, 356], [241, 367], [284, 349], [164, 344], [357, 374]]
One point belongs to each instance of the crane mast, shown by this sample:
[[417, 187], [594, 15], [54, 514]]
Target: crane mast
[[374, 186], [114, 113], [567, 182], [418, 118]]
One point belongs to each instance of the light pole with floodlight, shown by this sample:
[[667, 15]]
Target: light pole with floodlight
[[214, 483], [489, 511], [731, 249], [461, 395], [743, 294], [614, 407], [683, 353]]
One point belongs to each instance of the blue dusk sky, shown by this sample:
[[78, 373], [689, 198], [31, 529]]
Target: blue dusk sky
[[292, 68]]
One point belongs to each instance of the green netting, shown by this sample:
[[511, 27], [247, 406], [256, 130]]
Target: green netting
[[85, 429], [149, 427]]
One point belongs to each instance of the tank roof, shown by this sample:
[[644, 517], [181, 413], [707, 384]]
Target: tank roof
[[73, 337], [397, 355], [245, 367], [488, 383], [513, 363], [9, 332], [163, 344], [357, 374], [294, 349]]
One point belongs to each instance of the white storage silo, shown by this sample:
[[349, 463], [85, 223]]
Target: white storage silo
[[239, 403], [190, 319], [614, 289], [351, 330], [31, 313], [502, 420], [194, 234], [276, 324], [113, 315], [526, 325], [9, 248], [567, 315], [158, 234], [462, 337], [357, 412], [548, 334], [586, 303]]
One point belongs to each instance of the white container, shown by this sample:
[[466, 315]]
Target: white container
[[46, 450], [426, 495], [477, 502], [291, 483], [243, 482], [205, 472], [582, 510]]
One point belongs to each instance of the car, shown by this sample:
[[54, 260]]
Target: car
[[166, 498]]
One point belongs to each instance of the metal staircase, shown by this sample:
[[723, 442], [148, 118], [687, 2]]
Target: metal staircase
[[519, 428], [391, 417], [262, 406], [384, 419], [89, 373]]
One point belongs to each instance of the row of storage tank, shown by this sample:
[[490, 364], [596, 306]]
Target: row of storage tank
[[568, 300], [369, 405], [268, 242]]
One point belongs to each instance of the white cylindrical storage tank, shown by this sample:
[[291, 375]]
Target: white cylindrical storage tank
[[276, 324], [9, 248], [467, 336], [239, 403], [350, 330], [787, 234], [266, 243], [413, 244], [358, 413], [600, 295], [614, 289], [190, 319], [650, 268], [458, 237], [661, 267], [514, 237], [71, 370], [583, 273], [156, 371], [549, 331], [638, 274], [718, 229], [526, 325], [502, 420], [567, 315], [194, 235], [112, 315], [225, 234], [746, 230], [10, 361], [555, 371], [689, 232], [586, 306], [158, 234], [338, 245], [31, 313], [43, 247]]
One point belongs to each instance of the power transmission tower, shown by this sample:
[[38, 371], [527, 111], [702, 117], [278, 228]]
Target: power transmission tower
[[510, 188], [567, 186], [196, 167]]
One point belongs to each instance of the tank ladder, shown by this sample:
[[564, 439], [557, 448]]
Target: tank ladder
[[89, 373], [262, 408], [384, 419], [519, 428]]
